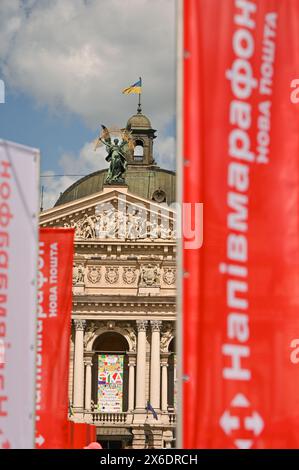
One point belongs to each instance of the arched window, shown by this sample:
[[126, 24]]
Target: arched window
[[110, 373], [138, 151]]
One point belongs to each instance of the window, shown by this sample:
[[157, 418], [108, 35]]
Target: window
[[138, 151]]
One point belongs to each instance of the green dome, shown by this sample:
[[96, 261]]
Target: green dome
[[150, 183]]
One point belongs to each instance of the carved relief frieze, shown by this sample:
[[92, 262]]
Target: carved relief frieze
[[129, 275], [169, 276], [94, 274], [112, 274]]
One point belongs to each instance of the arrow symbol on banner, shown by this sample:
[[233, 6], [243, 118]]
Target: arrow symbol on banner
[[243, 443], [229, 423], [254, 423], [39, 440], [240, 401]]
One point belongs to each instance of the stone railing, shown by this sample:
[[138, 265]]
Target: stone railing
[[97, 418], [120, 419]]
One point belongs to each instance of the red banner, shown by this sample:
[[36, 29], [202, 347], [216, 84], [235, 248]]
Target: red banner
[[81, 435], [55, 268], [241, 290]]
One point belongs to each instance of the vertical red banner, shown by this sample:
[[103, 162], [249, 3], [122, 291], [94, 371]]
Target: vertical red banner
[[81, 435], [241, 289], [55, 266]]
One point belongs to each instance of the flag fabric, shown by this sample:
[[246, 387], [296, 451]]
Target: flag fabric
[[81, 435], [19, 193], [135, 88], [55, 269], [241, 289], [151, 409]]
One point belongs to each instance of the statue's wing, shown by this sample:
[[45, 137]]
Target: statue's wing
[[104, 134], [127, 142]]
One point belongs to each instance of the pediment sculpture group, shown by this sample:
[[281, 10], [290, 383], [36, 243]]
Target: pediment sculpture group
[[121, 225]]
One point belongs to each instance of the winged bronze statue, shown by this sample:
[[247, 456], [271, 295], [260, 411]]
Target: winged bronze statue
[[116, 154]]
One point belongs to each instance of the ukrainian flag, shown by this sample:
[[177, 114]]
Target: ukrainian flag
[[135, 88]]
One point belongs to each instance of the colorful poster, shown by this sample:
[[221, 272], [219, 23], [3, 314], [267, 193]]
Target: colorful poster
[[19, 190], [55, 266], [241, 289], [110, 383]]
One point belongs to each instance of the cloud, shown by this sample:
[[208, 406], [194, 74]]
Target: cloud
[[77, 55], [75, 166], [87, 161]]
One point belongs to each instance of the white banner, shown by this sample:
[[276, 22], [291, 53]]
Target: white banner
[[19, 180]]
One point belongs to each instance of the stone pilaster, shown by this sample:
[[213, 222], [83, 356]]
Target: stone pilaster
[[131, 364], [79, 365], [141, 365], [155, 364], [88, 381], [164, 394]]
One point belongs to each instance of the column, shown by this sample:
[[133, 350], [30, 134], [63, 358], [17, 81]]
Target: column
[[131, 400], [88, 379], [164, 365], [79, 364], [141, 365], [155, 365]]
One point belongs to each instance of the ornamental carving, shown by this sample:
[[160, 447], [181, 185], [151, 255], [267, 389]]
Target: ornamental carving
[[156, 325], [132, 338], [90, 329], [130, 225], [78, 274], [165, 340], [141, 325], [129, 275], [169, 276], [150, 275], [94, 274], [79, 324], [111, 274]]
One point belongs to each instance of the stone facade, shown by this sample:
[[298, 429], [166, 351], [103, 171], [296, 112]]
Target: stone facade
[[124, 286]]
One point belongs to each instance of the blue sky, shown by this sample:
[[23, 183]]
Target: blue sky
[[65, 62], [23, 121]]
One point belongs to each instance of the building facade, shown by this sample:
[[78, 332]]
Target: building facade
[[123, 356]]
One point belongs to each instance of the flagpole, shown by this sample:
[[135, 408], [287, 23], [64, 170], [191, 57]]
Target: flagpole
[[139, 110]]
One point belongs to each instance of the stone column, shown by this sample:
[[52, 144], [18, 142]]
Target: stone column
[[155, 364], [88, 381], [131, 400], [164, 365], [141, 365], [79, 364]]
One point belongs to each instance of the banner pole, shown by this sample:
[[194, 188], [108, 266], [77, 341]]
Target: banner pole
[[179, 198]]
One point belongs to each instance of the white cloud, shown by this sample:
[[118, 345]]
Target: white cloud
[[87, 161], [78, 55], [75, 56]]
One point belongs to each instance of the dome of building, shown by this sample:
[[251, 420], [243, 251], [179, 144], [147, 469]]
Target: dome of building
[[151, 183], [143, 177], [139, 121]]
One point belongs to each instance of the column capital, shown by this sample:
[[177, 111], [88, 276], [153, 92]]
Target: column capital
[[132, 360], [156, 325], [141, 325], [79, 324], [88, 360]]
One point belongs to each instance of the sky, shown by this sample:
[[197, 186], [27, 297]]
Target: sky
[[64, 64]]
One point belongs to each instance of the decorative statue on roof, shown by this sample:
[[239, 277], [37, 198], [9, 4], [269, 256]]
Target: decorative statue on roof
[[117, 154]]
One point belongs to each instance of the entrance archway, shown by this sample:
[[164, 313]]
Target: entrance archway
[[110, 348]]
